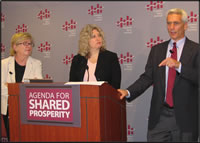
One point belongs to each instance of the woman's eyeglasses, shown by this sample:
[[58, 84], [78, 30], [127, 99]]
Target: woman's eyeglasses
[[26, 44]]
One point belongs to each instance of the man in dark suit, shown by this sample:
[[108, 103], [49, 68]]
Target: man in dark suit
[[199, 94], [175, 118]]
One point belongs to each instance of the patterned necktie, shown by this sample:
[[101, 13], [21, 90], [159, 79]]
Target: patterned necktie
[[171, 78]]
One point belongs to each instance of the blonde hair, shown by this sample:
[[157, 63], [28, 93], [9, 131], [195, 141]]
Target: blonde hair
[[180, 12], [85, 36], [17, 38]]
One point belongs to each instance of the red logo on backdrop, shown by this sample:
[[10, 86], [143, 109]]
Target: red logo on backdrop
[[131, 130], [192, 18], [69, 25], [44, 47], [128, 58], [154, 5], [47, 76], [3, 17], [22, 28], [43, 14], [68, 59], [3, 48], [127, 21], [95, 10], [153, 42]]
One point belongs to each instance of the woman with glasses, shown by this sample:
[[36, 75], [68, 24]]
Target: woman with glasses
[[18, 66]]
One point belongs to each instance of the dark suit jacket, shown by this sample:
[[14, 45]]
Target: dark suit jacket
[[199, 93], [185, 91], [107, 69]]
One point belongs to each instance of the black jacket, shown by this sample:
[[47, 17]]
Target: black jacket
[[185, 91], [107, 69]]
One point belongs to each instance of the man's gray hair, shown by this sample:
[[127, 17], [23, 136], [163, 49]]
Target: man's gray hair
[[179, 11]]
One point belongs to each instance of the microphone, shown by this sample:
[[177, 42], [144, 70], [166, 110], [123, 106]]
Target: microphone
[[87, 68], [171, 51], [10, 72]]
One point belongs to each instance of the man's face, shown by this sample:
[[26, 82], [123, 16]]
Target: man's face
[[176, 27]]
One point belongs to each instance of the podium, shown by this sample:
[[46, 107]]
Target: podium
[[3, 130], [103, 117]]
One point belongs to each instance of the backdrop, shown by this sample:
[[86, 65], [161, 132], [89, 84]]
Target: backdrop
[[131, 29]]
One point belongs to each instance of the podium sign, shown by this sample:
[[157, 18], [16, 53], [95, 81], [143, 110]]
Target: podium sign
[[49, 104], [43, 104]]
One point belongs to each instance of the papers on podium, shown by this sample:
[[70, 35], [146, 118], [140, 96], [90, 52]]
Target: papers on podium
[[99, 83]]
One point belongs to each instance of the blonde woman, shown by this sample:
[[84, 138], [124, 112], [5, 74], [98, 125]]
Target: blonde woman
[[18, 66], [93, 62]]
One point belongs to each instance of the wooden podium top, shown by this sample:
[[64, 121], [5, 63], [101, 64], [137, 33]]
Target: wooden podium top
[[105, 87]]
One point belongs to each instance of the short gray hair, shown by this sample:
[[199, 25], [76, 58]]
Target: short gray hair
[[180, 12]]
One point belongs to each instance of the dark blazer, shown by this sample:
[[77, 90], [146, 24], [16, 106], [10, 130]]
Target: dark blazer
[[107, 69], [185, 91]]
